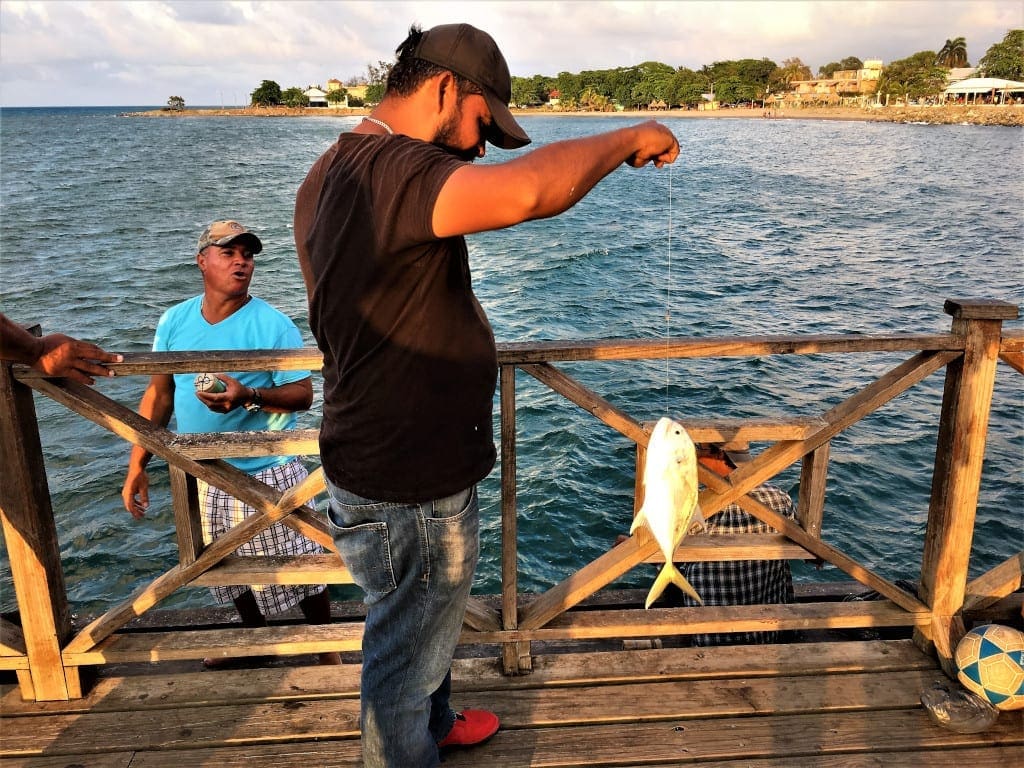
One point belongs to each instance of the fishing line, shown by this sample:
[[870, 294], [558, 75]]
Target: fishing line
[[668, 288]]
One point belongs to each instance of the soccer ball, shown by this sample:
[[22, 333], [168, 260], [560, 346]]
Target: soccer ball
[[990, 663]]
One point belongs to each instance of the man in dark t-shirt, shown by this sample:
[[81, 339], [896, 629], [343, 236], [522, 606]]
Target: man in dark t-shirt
[[410, 364]]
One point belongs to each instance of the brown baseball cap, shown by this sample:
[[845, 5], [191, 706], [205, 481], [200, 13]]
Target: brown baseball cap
[[473, 54], [225, 232]]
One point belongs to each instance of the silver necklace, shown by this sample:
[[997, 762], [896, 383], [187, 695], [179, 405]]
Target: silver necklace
[[381, 123]]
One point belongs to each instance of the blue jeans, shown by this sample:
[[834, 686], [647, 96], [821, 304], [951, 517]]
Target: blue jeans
[[416, 564]]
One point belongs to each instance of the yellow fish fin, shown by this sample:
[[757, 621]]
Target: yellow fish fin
[[638, 520], [669, 574]]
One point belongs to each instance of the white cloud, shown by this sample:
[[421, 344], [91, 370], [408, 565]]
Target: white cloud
[[140, 51]]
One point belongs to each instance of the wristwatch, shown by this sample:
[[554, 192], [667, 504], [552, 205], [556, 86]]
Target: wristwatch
[[255, 404]]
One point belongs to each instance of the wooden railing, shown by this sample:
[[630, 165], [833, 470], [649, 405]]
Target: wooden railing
[[47, 654]]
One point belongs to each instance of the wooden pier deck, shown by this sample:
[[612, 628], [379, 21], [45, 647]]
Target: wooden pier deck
[[847, 703]]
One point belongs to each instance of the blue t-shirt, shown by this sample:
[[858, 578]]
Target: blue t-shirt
[[257, 325]]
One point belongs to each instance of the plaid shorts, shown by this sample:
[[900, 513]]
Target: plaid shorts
[[222, 511]]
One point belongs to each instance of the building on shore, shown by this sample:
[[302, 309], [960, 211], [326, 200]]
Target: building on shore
[[846, 87]]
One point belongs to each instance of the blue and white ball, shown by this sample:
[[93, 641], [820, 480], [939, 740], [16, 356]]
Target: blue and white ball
[[990, 664]]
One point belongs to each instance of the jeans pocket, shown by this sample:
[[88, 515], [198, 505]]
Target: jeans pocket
[[453, 539], [366, 551]]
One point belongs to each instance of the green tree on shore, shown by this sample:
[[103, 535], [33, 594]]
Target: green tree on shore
[[176, 103], [337, 96], [267, 95], [377, 81], [914, 77], [294, 97], [953, 53], [1005, 59]]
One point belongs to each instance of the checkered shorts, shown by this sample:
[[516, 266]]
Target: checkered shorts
[[222, 511]]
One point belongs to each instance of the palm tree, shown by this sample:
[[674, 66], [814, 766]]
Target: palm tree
[[953, 53]]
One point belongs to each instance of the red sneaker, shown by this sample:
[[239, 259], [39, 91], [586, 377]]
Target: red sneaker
[[472, 726]]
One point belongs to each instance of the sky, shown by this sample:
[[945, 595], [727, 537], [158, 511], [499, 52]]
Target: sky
[[216, 52]]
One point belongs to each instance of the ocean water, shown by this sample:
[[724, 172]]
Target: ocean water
[[762, 227]]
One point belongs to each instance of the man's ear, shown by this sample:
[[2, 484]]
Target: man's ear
[[445, 90]]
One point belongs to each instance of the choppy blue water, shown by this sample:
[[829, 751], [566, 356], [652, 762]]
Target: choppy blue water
[[762, 227]]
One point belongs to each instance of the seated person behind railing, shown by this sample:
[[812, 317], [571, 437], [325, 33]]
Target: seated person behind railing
[[737, 582], [226, 316]]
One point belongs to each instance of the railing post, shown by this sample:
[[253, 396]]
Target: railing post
[[32, 546], [960, 449], [515, 657], [813, 481]]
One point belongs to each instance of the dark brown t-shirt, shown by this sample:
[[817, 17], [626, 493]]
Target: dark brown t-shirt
[[409, 358]]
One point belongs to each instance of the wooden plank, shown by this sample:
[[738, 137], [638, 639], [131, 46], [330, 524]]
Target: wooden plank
[[531, 352], [749, 430], [689, 699], [30, 536], [810, 506], [990, 587], [693, 741], [301, 754], [976, 757], [161, 691], [515, 656], [185, 728], [224, 445], [734, 546], [956, 479], [277, 640], [519, 353], [980, 309], [276, 569], [480, 616], [589, 625], [187, 523], [1013, 359], [149, 363], [115, 760], [199, 689]]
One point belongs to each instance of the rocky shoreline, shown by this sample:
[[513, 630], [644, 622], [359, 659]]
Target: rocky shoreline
[[935, 115]]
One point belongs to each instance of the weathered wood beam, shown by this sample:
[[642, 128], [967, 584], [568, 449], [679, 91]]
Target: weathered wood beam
[[989, 588], [30, 534], [525, 353], [956, 479]]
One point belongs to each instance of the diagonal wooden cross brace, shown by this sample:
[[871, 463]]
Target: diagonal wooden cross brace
[[271, 505], [720, 492]]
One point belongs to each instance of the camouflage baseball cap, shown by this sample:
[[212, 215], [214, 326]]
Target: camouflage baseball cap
[[225, 232]]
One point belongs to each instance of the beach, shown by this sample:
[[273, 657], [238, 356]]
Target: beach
[[935, 115]]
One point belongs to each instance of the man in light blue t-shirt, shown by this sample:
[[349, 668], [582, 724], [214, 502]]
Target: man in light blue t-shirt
[[226, 316]]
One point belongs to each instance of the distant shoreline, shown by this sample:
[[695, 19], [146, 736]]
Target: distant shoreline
[[939, 115]]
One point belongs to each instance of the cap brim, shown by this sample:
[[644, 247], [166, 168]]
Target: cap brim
[[254, 242], [505, 132], [738, 457]]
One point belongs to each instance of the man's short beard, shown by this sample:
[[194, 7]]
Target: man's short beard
[[445, 136]]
